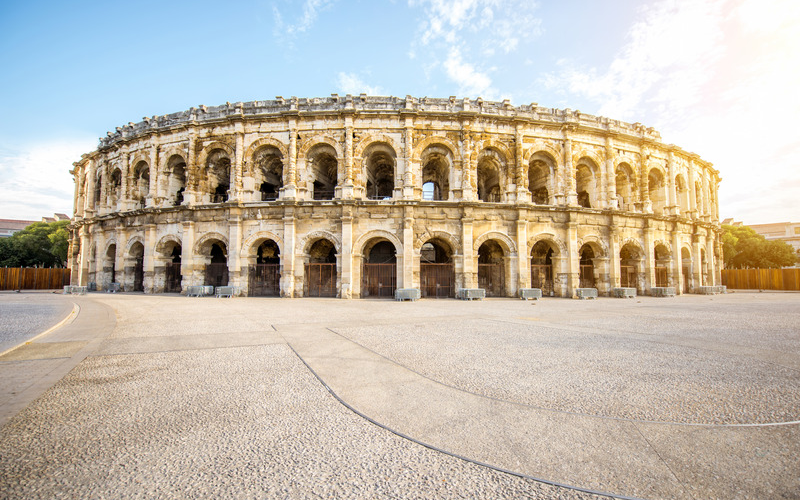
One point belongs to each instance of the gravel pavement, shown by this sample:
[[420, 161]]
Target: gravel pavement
[[24, 315]]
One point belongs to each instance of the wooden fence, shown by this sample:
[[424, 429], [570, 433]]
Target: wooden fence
[[32, 278], [762, 279]]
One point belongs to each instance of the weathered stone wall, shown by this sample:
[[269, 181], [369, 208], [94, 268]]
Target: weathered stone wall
[[609, 200]]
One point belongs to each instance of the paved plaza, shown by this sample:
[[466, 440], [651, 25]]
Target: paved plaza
[[163, 396]]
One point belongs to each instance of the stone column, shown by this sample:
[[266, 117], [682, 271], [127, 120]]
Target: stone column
[[85, 244], [234, 249], [644, 187], [408, 250], [613, 254], [672, 202], [408, 154], [609, 178], [468, 168], [289, 190], [91, 178], [712, 268], [149, 282], [521, 195], [468, 271], [692, 192], [569, 175], [697, 262], [153, 197], [347, 253], [706, 213], [190, 194], [235, 193], [677, 262], [187, 256], [289, 257], [649, 258], [523, 252], [347, 190], [573, 259]]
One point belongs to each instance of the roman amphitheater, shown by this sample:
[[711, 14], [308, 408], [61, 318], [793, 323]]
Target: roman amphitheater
[[356, 196]]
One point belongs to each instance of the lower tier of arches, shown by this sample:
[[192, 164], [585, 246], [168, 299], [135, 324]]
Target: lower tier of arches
[[370, 250]]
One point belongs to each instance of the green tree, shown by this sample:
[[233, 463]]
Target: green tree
[[743, 248], [42, 244]]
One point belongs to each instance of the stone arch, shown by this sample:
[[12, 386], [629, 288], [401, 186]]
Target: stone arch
[[599, 247], [109, 244], [251, 243], [381, 234], [506, 243], [625, 183], [436, 140], [657, 180], [587, 181], [635, 243], [365, 143], [437, 163], [313, 236], [663, 243], [555, 241], [491, 174], [308, 144], [545, 149], [453, 241], [588, 154], [166, 154], [161, 246], [499, 147], [262, 142], [209, 148], [377, 165], [137, 238], [203, 244]]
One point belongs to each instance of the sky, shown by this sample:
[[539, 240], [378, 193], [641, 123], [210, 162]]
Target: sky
[[720, 78]]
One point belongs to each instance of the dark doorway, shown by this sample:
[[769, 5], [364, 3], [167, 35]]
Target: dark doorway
[[380, 271], [437, 271], [172, 271], [586, 267], [265, 275], [320, 271], [491, 269], [542, 268], [217, 269]]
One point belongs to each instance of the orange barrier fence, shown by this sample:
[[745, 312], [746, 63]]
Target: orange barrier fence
[[32, 278], [762, 279]]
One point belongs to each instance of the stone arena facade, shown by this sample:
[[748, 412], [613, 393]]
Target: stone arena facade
[[355, 196]]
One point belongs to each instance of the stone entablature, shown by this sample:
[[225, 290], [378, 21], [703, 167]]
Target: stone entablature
[[357, 171]]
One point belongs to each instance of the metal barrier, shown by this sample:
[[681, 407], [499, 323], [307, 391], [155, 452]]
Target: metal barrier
[[411, 294], [624, 292], [586, 293], [224, 291], [113, 288], [199, 291], [472, 294], [662, 291], [530, 293]]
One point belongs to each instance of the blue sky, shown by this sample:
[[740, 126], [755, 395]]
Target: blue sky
[[716, 77]]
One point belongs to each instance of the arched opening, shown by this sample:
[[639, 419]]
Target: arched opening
[[135, 266], [141, 183], [320, 270], [176, 179], [491, 269], [490, 167], [115, 185], [629, 263], [538, 180], [624, 182], [379, 278], [218, 170], [172, 269], [324, 171], [110, 265], [662, 257], [436, 174], [586, 279], [380, 166], [686, 269], [265, 275], [542, 267], [655, 191], [217, 267], [437, 269], [586, 184], [268, 172]]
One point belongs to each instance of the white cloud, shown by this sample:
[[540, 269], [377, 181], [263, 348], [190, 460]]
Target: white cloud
[[471, 33], [36, 179], [470, 81], [310, 11], [350, 83]]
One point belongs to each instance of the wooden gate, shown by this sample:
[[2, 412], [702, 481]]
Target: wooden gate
[[172, 277], [542, 277], [264, 280], [138, 276], [491, 277], [587, 276], [661, 276], [320, 280], [627, 277], [379, 280], [216, 274], [437, 280]]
